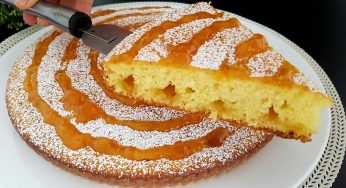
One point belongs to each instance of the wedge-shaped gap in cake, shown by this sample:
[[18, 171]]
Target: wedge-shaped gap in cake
[[272, 114], [169, 90], [129, 83]]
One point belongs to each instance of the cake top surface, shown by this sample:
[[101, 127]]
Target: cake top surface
[[58, 71], [211, 40]]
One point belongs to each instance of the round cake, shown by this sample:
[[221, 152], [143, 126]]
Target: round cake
[[60, 105]]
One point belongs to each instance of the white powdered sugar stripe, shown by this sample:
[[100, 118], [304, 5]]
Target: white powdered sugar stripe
[[265, 64], [213, 52], [48, 89], [180, 34], [16, 94], [126, 136], [79, 72], [28, 120], [301, 79], [100, 58], [175, 15], [134, 20], [153, 52], [128, 11]]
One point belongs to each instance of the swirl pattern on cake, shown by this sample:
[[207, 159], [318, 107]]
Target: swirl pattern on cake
[[62, 108]]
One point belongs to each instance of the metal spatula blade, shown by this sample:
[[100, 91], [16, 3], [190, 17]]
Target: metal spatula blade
[[103, 38]]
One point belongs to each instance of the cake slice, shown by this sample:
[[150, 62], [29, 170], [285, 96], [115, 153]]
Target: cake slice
[[199, 60]]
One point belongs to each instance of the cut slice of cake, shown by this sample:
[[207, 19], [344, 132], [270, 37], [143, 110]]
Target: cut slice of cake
[[200, 60]]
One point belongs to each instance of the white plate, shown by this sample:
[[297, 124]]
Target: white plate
[[282, 163]]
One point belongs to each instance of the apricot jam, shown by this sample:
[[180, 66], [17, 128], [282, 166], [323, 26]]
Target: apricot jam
[[250, 47], [71, 51], [84, 110], [112, 19], [158, 30], [108, 11], [185, 51], [102, 13], [181, 54], [96, 73]]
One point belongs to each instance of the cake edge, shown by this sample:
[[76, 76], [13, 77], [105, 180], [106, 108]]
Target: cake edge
[[156, 181]]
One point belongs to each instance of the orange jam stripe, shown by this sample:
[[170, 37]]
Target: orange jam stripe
[[255, 45], [93, 56], [134, 26], [84, 110], [184, 52], [111, 19], [97, 75], [243, 52], [110, 11], [102, 13], [75, 140], [258, 44], [70, 51], [285, 74], [154, 32], [179, 150], [147, 7]]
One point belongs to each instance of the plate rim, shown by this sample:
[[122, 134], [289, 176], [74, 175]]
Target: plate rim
[[328, 166]]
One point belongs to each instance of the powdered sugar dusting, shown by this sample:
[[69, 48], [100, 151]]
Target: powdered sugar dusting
[[175, 15], [181, 34], [48, 88], [129, 11], [44, 137], [79, 72], [301, 79], [265, 64], [149, 139], [122, 22], [29, 123], [213, 52], [232, 148]]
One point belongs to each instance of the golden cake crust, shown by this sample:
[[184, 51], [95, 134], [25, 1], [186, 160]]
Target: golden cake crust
[[111, 169]]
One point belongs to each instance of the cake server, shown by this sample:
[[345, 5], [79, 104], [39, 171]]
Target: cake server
[[102, 38]]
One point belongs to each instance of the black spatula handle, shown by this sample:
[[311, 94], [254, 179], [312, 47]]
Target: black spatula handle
[[64, 18]]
